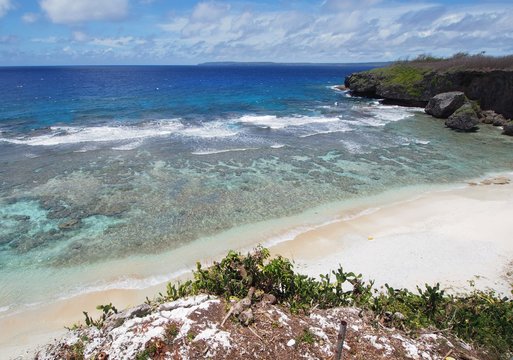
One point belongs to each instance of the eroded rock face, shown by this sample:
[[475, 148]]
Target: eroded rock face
[[492, 89], [491, 117], [463, 119], [445, 104], [508, 129], [190, 328], [363, 83]]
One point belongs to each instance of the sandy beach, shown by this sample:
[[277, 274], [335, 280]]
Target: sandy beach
[[452, 236]]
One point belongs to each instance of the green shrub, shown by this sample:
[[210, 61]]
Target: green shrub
[[306, 337], [480, 317], [404, 76], [107, 310]]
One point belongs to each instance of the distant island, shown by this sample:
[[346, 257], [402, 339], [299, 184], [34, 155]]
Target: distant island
[[270, 63]]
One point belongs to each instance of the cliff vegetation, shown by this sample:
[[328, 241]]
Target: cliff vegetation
[[485, 79], [258, 305]]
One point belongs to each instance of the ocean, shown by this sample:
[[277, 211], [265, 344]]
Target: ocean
[[109, 173]]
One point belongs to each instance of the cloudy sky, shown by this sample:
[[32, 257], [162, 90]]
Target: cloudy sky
[[43, 32]]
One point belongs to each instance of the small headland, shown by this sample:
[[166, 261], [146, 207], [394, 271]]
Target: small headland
[[466, 90], [254, 306]]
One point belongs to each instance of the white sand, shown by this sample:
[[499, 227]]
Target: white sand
[[447, 236]]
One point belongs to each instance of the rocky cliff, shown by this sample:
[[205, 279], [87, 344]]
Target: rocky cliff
[[256, 307], [190, 328], [413, 85]]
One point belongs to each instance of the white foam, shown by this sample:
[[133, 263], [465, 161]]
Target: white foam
[[210, 152], [60, 135], [380, 115], [294, 233], [86, 149], [130, 146], [212, 129], [126, 283], [323, 132], [422, 142], [129, 137], [354, 147], [4, 308], [277, 146], [31, 156], [338, 88], [275, 122]]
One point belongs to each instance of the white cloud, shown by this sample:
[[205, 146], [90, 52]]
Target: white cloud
[[30, 18], [117, 42], [78, 11], [209, 11], [80, 36], [5, 6], [332, 31], [8, 39], [340, 30], [46, 40]]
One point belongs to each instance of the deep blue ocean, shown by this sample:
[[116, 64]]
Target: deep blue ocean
[[102, 164], [35, 98]]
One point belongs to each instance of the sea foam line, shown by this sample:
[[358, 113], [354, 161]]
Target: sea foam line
[[277, 123], [61, 135], [126, 283], [210, 152]]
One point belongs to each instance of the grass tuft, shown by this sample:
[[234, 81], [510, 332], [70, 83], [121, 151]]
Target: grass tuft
[[480, 317]]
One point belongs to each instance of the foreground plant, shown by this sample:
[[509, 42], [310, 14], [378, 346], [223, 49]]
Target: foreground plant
[[480, 317]]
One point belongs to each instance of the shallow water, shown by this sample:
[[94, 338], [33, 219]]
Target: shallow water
[[101, 164]]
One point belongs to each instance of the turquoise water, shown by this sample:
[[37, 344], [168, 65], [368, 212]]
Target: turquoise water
[[120, 163]]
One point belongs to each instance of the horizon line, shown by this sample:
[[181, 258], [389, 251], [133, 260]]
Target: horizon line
[[208, 63]]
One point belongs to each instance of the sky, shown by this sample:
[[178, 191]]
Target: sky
[[82, 32]]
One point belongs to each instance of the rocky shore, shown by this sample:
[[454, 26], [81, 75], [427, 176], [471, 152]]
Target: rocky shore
[[459, 91], [192, 328]]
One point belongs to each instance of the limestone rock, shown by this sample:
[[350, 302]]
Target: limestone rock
[[491, 117], [463, 119], [399, 316], [118, 319], [246, 317], [445, 104], [70, 224], [508, 129], [501, 180], [268, 299], [364, 83]]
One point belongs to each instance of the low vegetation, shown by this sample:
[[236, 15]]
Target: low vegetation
[[107, 310], [480, 317], [407, 77], [460, 61]]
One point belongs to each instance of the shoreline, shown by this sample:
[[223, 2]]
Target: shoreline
[[469, 241], [370, 236]]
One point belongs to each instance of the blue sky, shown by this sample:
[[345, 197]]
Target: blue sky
[[55, 32]]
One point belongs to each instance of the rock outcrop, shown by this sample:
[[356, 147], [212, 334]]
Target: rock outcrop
[[445, 104], [189, 328], [491, 117], [508, 130], [412, 85], [463, 119]]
